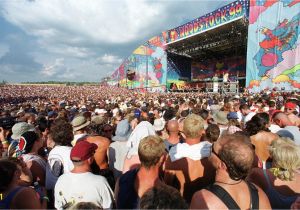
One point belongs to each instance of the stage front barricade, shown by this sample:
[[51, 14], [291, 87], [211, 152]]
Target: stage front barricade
[[222, 87]]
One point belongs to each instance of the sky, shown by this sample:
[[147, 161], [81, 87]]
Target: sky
[[83, 40]]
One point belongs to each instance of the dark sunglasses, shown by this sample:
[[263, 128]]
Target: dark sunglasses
[[214, 152]]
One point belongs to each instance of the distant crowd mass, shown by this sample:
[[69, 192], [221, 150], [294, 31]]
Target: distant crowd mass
[[102, 147]]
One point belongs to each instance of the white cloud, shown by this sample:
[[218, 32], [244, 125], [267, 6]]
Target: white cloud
[[77, 21], [68, 75], [102, 32], [96, 21], [109, 59], [69, 51], [53, 69]]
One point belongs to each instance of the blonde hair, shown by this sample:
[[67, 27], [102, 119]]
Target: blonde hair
[[193, 125], [150, 150], [130, 117], [286, 158]]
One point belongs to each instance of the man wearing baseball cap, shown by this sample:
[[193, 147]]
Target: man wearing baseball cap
[[290, 109], [81, 185]]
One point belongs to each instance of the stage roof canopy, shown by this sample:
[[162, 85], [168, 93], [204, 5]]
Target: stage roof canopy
[[226, 40]]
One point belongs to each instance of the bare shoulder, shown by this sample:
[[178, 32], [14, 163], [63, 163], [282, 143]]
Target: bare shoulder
[[28, 197], [99, 140], [168, 163], [256, 176], [264, 202], [205, 199], [273, 136], [176, 165]]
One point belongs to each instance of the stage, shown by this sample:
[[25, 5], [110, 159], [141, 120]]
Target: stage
[[209, 55]]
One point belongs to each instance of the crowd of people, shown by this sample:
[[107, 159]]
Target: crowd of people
[[104, 147]]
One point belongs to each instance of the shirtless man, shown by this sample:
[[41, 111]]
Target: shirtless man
[[100, 165], [174, 137], [262, 141], [101, 153], [232, 156], [260, 135], [82, 131], [187, 174]]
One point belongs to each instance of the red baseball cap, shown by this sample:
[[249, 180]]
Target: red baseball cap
[[82, 151], [290, 105]]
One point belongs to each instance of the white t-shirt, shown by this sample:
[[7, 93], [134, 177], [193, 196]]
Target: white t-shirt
[[240, 116], [116, 156], [58, 155], [274, 128], [30, 157], [76, 137], [295, 131], [83, 187], [248, 117]]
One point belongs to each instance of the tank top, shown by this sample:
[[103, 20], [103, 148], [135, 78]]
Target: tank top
[[277, 200], [226, 198], [127, 196], [5, 203]]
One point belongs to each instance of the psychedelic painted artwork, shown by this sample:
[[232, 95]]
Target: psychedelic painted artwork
[[179, 71], [228, 13], [273, 55], [147, 66], [234, 66]]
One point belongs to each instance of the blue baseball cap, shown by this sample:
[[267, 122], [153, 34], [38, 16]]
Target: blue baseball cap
[[137, 113], [232, 115], [52, 114]]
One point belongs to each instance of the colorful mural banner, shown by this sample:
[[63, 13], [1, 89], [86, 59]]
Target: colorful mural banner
[[149, 64], [273, 54], [223, 15]]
